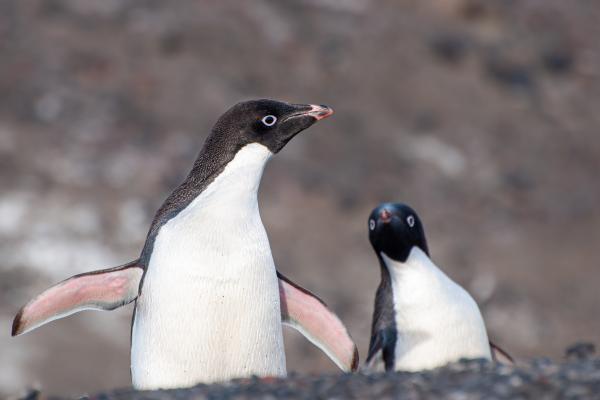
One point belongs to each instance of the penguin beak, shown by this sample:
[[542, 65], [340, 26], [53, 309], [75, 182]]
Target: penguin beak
[[385, 216], [299, 118], [319, 112]]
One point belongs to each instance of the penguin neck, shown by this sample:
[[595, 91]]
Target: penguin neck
[[223, 175], [416, 257], [238, 182], [417, 264]]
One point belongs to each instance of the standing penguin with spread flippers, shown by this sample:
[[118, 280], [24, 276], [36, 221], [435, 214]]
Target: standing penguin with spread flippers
[[422, 319], [209, 301]]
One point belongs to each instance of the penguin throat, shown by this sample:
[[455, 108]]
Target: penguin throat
[[238, 183], [416, 259], [230, 184]]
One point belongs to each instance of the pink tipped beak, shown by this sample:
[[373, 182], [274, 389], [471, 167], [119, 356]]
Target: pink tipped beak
[[320, 112], [385, 216]]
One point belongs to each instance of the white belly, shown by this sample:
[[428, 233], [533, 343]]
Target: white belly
[[438, 335], [209, 309], [438, 322]]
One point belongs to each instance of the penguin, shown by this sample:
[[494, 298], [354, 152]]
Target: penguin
[[422, 318], [209, 301]]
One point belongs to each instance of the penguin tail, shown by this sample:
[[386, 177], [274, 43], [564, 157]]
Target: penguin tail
[[500, 355], [97, 290]]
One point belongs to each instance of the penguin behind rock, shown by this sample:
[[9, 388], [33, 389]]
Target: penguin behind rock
[[422, 319], [209, 300]]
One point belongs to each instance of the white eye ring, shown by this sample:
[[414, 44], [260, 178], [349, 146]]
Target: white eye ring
[[269, 120], [410, 220], [372, 224]]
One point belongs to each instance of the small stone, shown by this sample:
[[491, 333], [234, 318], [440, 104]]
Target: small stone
[[580, 351]]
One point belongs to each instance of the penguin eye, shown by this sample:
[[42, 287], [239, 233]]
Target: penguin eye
[[410, 220], [269, 120], [372, 224]]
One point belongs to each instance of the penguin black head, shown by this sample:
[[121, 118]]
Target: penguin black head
[[268, 122], [394, 229]]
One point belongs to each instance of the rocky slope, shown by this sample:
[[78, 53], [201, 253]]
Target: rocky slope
[[539, 379], [482, 114]]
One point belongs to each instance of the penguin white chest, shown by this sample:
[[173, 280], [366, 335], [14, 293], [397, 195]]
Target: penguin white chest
[[209, 308], [438, 322]]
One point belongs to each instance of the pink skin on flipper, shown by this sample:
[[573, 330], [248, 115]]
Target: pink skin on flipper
[[99, 290], [306, 313]]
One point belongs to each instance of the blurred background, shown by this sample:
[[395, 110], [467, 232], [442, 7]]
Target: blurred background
[[483, 115]]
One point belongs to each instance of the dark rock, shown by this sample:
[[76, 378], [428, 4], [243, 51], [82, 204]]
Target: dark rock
[[580, 351], [510, 74], [449, 47], [558, 61]]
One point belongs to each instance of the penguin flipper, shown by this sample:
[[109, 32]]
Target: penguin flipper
[[375, 347], [381, 350], [98, 290], [309, 315], [500, 355]]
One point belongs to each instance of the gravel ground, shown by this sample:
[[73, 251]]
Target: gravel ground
[[576, 378]]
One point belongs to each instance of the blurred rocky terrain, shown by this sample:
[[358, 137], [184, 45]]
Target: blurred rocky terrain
[[481, 114], [475, 379]]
